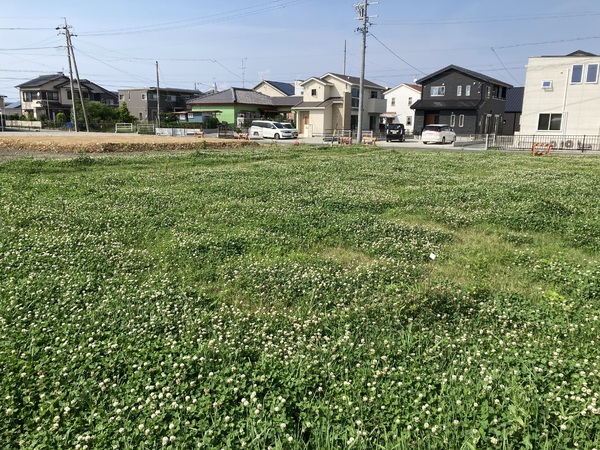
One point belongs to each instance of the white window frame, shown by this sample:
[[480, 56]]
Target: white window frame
[[144, 97], [452, 120], [410, 101], [438, 91], [580, 80], [587, 73], [458, 91], [547, 84], [467, 90], [393, 101], [549, 121], [461, 121]]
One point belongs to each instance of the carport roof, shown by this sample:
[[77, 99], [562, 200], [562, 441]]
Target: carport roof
[[447, 104]]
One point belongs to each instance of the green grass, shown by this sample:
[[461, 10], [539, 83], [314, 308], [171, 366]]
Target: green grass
[[285, 298]]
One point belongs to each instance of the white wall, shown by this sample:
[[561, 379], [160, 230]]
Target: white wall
[[578, 103], [401, 94]]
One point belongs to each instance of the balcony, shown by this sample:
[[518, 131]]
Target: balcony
[[376, 105]]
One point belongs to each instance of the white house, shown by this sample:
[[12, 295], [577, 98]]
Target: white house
[[562, 97], [399, 100]]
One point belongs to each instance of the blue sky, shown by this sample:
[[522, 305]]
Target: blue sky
[[198, 43]]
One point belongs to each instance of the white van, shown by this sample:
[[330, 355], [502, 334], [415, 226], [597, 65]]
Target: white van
[[270, 129]]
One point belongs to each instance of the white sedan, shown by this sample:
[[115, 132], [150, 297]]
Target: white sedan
[[439, 133]]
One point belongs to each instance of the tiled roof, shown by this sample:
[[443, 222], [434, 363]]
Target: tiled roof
[[471, 73], [292, 100], [354, 80], [233, 95], [42, 79]]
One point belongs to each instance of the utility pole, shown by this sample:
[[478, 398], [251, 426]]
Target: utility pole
[[72, 62], [243, 72], [74, 118], [157, 96], [364, 17]]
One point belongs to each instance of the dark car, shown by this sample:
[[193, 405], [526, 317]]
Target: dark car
[[395, 132]]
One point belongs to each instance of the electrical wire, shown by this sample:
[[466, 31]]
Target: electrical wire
[[214, 18], [392, 52]]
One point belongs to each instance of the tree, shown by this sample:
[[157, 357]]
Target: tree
[[124, 114], [61, 117]]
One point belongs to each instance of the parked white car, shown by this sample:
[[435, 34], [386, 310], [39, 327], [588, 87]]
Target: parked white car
[[289, 126], [438, 133], [270, 129]]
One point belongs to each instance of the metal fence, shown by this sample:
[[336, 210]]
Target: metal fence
[[581, 143]]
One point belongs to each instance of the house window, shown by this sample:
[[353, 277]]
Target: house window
[[190, 115], [355, 92], [461, 121], [144, 97], [121, 97], [467, 90], [577, 75], [458, 91], [452, 120], [549, 122], [393, 103], [592, 73], [313, 92], [488, 91], [51, 95], [410, 101], [438, 91], [408, 120], [547, 84]]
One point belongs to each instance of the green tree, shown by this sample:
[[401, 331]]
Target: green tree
[[124, 114], [61, 117]]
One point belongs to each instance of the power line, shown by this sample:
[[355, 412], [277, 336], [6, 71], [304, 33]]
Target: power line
[[510, 74], [392, 52], [235, 14]]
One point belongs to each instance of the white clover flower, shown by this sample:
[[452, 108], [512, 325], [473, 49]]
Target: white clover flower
[[493, 440], [165, 440]]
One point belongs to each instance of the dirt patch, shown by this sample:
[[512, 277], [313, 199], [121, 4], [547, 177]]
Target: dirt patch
[[15, 145]]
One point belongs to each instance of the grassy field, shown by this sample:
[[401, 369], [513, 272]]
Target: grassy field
[[300, 298]]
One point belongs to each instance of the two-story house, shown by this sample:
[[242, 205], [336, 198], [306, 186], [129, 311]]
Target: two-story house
[[143, 103], [399, 100], [331, 103], [469, 101], [47, 95], [561, 97]]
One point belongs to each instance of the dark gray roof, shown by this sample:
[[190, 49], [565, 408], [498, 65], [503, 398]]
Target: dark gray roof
[[574, 54], [471, 73], [90, 86], [514, 100], [355, 80], [43, 79], [233, 95], [446, 104], [286, 88], [287, 101]]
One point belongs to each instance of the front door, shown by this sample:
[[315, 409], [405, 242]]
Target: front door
[[431, 118]]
